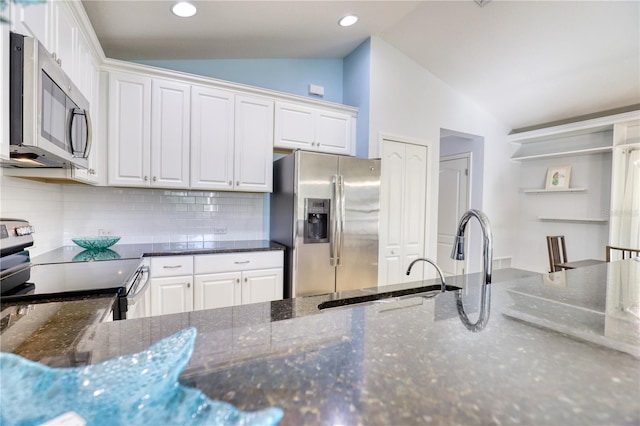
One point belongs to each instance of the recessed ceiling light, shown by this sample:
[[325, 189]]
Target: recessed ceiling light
[[347, 21], [183, 9]]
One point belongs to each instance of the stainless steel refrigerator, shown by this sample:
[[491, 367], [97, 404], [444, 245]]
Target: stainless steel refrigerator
[[325, 210]]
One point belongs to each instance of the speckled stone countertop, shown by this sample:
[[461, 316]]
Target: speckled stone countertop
[[136, 251], [410, 360]]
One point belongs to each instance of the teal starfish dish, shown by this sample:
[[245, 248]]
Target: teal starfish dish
[[137, 389]]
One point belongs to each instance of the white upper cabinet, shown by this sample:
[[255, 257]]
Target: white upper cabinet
[[253, 164], [212, 138], [129, 129], [313, 129], [92, 174], [171, 134], [170, 105], [148, 132], [32, 20], [65, 39]]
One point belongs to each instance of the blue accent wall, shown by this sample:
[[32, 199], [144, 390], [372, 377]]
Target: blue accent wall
[[284, 75], [357, 83]]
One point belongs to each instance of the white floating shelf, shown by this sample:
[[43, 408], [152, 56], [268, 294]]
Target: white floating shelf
[[540, 191], [563, 154], [594, 220]]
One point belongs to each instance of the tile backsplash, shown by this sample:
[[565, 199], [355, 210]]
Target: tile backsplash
[[160, 215], [62, 211]]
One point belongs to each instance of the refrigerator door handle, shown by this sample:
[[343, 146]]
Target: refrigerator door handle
[[333, 222], [342, 212]]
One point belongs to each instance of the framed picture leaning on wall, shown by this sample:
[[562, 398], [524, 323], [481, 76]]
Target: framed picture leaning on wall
[[558, 177]]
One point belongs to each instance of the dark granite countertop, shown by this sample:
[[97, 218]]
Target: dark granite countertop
[[409, 359], [136, 251]]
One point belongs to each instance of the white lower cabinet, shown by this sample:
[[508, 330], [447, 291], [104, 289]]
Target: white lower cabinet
[[232, 279], [171, 284], [187, 283], [171, 295]]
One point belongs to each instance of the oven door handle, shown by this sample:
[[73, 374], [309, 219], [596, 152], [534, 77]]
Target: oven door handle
[[140, 286]]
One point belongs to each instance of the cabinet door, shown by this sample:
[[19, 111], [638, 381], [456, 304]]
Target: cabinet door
[[212, 138], [64, 36], [217, 290], [253, 165], [333, 132], [129, 139], [170, 134], [92, 74], [262, 285], [32, 20], [294, 126], [171, 295]]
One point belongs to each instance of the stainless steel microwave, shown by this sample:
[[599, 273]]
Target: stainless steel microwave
[[49, 123]]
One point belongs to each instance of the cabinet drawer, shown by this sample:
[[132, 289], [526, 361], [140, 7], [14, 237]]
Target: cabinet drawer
[[171, 266], [209, 263]]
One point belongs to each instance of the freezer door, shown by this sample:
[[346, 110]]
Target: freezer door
[[358, 263], [312, 269]]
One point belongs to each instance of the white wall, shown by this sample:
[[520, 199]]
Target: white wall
[[40, 204], [409, 101]]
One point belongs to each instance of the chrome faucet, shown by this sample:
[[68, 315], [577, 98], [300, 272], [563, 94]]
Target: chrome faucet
[[487, 256], [443, 285]]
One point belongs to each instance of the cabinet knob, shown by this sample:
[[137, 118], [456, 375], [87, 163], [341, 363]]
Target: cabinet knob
[[237, 183], [188, 285], [155, 179], [246, 279], [230, 183], [146, 178], [237, 280]]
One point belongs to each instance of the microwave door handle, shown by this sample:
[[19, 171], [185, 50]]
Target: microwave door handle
[[85, 113], [87, 147]]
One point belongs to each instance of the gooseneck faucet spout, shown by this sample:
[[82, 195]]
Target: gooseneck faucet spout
[[487, 256], [443, 285]]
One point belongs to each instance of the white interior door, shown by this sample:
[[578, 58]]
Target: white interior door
[[453, 201], [402, 211]]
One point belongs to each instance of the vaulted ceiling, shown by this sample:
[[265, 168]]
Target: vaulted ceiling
[[526, 62]]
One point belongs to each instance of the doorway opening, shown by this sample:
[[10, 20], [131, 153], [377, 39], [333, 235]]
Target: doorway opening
[[460, 188]]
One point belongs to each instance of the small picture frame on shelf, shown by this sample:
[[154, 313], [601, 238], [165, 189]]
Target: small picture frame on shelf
[[558, 177]]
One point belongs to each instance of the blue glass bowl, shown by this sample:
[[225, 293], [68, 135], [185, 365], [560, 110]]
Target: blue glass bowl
[[96, 243], [95, 254]]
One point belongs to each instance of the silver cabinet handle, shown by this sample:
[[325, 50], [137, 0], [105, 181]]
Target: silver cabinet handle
[[146, 178], [172, 266], [230, 183], [237, 183], [155, 179], [242, 262]]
